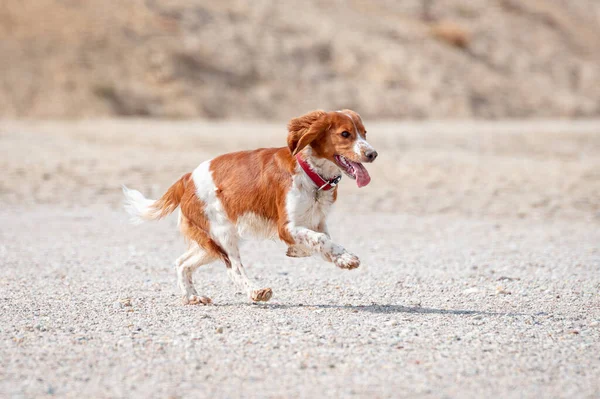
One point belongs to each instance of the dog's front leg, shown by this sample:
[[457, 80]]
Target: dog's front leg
[[321, 243], [302, 251]]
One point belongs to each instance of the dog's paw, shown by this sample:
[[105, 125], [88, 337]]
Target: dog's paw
[[262, 295], [196, 300], [347, 261], [294, 251]]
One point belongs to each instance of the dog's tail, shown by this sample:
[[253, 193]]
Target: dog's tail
[[140, 208]]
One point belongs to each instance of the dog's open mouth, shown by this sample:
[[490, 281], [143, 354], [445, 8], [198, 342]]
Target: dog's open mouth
[[354, 170]]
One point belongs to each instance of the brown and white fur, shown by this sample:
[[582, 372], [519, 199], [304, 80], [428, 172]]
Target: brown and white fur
[[262, 194]]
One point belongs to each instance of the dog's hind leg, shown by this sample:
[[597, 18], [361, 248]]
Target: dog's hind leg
[[185, 266], [236, 271], [202, 251]]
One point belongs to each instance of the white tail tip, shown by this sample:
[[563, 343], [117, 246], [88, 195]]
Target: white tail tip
[[138, 206]]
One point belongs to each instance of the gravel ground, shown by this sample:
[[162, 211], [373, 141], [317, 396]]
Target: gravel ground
[[445, 304]]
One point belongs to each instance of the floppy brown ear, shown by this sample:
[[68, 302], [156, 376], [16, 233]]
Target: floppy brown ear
[[305, 129]]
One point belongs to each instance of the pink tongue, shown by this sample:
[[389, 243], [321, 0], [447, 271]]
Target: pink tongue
[[361, 174]]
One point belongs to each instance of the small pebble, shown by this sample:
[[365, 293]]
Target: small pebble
[[125, 301]]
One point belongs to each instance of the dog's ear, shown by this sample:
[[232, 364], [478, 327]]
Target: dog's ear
[[305, 129]]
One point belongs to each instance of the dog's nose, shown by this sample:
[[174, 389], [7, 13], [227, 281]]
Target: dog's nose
[[371, 155]]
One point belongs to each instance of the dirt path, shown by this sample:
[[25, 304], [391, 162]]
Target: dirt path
[[462, 292]]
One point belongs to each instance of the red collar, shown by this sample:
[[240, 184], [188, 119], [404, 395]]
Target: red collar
[[316, 178]]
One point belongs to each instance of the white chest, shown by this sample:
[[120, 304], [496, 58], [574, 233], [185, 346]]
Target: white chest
[[305, 205]]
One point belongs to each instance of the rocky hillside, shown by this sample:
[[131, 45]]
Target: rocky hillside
[[275, 59]]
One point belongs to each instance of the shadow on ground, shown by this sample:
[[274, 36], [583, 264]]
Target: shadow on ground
[[377, 308]]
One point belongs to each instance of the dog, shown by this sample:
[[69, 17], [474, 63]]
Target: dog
[[267, 193]]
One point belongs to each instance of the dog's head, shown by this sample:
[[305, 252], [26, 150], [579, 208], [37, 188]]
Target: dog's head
[[339, 137]]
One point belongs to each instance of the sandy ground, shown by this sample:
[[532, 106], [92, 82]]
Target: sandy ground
[[480, 274]]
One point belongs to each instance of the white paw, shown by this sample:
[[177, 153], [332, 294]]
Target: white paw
[[196, 300], [262, 295], [347, 261]]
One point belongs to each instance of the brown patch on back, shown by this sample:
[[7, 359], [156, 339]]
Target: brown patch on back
[[255, 182]]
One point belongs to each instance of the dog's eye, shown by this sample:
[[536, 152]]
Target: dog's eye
[[345, 134]]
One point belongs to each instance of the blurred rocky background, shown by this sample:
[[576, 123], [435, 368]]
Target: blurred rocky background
[[274, 59]]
